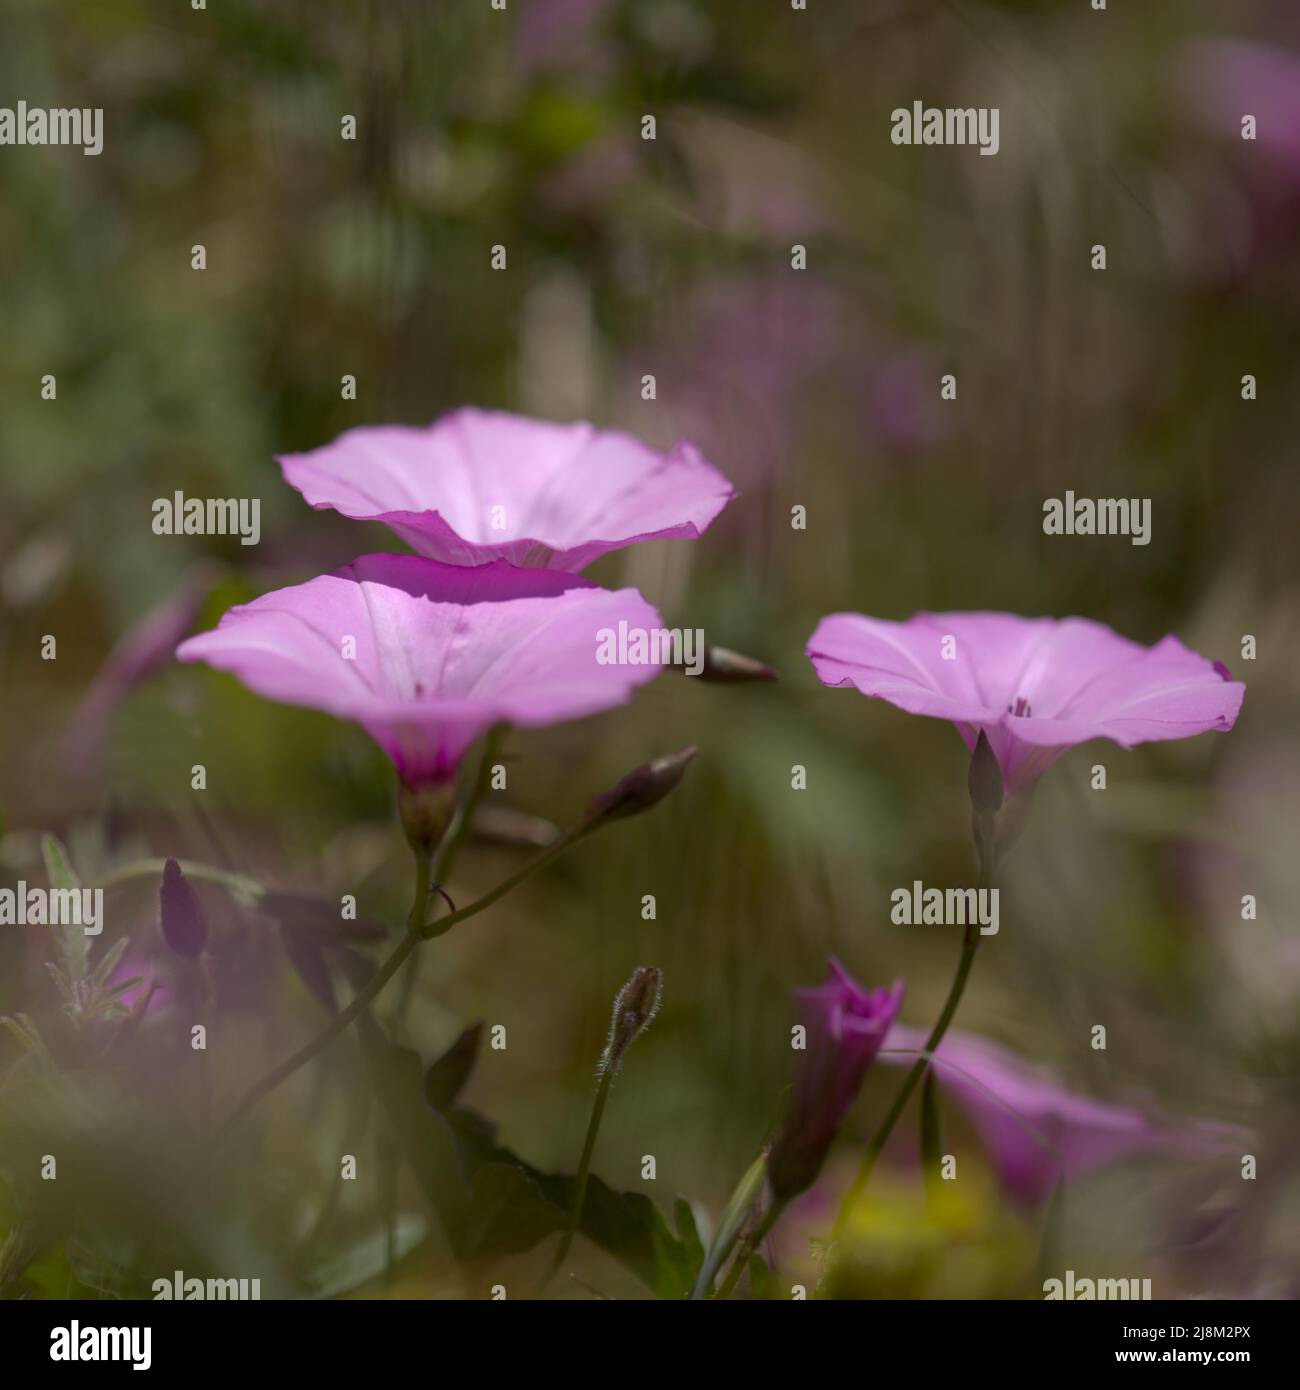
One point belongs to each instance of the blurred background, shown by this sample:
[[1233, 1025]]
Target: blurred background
[[817, 388]]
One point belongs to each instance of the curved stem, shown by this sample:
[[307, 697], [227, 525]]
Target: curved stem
[[566, 841], [970, 944], [881, 1135], [338, 1024], [387, 970], [243, 887]]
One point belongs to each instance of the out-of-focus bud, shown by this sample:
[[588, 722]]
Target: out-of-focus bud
[[183, 926], [726, 667], [985, 779], [642, 788], [844, 1027], [425, 813], [634, 1006]]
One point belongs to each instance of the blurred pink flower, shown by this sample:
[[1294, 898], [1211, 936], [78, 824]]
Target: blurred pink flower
[[845, 1026], [482, 485], [1037, 1132], [1226, 79], [560, 34], [754, 360], [1035, 686], [441, 653], [143, 649]]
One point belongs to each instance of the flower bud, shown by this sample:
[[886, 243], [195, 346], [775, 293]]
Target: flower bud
[[726, 667], [634, 1006], [183, 926], [425, 813], [640, 789], [844, 1027]]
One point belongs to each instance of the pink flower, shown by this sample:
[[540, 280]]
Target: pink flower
[[1225, 79], [481, 485], [1035, 1131], [426, 657], [844, 1028], [1036, 686], [142, 650]]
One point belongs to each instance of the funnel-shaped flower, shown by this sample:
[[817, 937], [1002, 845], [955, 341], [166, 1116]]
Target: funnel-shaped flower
[[1036, 686], [482, 485], [1037, 1132], [426, 657], [844, 1026]]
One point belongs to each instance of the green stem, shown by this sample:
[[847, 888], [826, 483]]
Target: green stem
[[338, 1024], [970, 944], [362, 1001], [540, 861], [243, 887], [448, 848], [751, 1244], [584, 1172], [419, 913]]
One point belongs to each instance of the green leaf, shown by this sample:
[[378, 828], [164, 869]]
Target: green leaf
[[761, 1282], [508, 1211], [511, 1215], [687, 1231], [108, 963], [748, 1190], [68, 937], [423, 1135], [124, 987], [62, 983], [629, 1227], [446, 1077]]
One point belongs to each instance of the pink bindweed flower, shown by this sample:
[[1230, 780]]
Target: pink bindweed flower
[[1036, 1131], [1035, 686], [844, 1028], [426, 657], [481, 485]]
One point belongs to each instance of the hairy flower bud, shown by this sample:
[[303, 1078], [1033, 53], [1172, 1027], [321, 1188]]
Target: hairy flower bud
[[183, 925], [634, 1006], [642, 788]]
